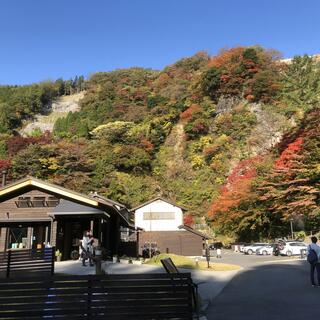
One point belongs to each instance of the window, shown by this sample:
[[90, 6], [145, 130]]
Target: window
[[52, 202], [39, 201], [18, 238], [158, 216], [24, 202]]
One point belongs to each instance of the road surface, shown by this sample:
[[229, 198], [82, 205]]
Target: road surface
[[272, 291]]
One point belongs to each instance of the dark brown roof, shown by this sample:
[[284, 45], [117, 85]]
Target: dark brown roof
[[162, 199], [31, 182], [198, 233], [95, 201], [122, 210]]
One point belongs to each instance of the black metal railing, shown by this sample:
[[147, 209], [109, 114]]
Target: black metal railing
[[27, 261]]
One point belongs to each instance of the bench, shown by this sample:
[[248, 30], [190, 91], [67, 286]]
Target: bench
[[27, 262], [173, 271], [121, 297]]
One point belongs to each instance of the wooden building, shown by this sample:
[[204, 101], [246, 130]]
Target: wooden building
[[34, 212], [161, 225]]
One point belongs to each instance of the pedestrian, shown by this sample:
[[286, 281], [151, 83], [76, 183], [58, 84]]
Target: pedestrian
[[86, 246], [313, 255], [219, 253]]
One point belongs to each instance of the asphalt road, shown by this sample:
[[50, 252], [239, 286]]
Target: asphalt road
[[268, 291]]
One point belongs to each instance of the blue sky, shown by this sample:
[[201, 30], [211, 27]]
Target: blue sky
[[42, 39]]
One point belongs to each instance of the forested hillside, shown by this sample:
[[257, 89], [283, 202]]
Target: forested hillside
[[233, 137]]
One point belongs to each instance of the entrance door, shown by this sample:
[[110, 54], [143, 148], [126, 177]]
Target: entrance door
[[70, 231]]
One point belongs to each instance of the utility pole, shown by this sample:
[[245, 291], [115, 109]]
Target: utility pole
[[291, 227], [150, 247]]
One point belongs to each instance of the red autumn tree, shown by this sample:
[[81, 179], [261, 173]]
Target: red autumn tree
[[187, 114], [4, 164], [292, 188], [236, 189], [18, 143], [285, 161], [188, 220]]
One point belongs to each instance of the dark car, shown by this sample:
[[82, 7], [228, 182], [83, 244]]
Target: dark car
[[215, 245]]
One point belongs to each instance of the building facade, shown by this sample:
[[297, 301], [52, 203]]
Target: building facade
[[161, 226], [34, 213], [158, 215]]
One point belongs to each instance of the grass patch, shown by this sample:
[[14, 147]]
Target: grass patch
[[188, 263]]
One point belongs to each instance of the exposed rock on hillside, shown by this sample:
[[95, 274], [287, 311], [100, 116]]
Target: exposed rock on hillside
[[59, 108], [268, 131]]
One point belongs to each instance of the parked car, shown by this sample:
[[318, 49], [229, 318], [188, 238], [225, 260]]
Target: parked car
[[266, 250], [242, 245], [212, 247], [215, 245], [293, 248], [251, 248]]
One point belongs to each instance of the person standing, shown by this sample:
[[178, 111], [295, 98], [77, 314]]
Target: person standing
[[219, 256], [86, 247], [313, 256]]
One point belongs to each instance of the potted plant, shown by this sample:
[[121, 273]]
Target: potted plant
[[124, 259], [137, 261], [58, 255]]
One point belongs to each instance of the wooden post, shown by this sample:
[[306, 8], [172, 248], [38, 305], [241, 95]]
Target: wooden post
[[8, 263], [100, 231], [138, 242], [46, 235]]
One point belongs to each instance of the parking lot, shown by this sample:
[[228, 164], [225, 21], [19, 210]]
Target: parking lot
[[247, 261]]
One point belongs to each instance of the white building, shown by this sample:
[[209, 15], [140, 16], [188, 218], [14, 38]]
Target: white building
[[158, 215]]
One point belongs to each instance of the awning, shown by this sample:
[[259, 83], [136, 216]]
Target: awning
[[68, 208]]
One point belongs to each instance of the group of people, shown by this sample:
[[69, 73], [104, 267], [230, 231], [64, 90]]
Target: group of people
[[86, 248]]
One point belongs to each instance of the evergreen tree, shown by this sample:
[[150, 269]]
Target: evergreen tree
[[301, 84]]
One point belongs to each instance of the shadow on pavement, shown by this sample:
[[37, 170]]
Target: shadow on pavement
[[212, 282], [270, 291]]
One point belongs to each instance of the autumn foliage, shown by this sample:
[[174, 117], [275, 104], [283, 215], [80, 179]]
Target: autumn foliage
[[248, 72], [188, 113], [286, 157], [4, 165], [236, 189], [17, 143], [188, 220]]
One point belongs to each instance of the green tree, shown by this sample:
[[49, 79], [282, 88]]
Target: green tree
[[211, 81], [301, 85]]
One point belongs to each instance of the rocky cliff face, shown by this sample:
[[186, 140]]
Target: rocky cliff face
[[59, 109]]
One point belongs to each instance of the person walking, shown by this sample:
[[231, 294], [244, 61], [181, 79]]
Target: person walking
[[313, 256]]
